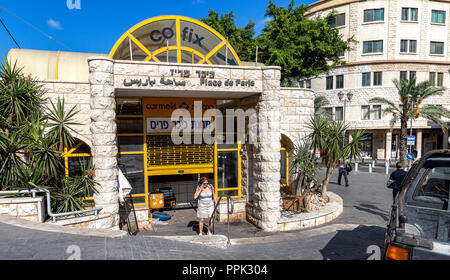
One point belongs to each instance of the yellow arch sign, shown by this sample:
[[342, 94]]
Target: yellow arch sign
[[174, 39]]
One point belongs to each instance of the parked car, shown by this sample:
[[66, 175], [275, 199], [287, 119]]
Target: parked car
[[420, 219]]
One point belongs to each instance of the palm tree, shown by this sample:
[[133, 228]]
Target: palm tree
[[411, 97], [319, 102]]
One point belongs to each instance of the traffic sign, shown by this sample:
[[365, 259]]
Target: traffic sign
[[411, 140], [410, 156]]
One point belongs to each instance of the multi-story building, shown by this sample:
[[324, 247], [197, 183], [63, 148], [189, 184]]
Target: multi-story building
[[395, 39]]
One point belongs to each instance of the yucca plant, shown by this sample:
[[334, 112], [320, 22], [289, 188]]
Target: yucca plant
[[327, 137], [11, 157], [304, 166], [20, 96], [60, 122]]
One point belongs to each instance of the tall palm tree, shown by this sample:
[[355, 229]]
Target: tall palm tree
[[319, 102], [411, 96]]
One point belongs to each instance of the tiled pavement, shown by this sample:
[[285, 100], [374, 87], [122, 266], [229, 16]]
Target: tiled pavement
[[366, 210]]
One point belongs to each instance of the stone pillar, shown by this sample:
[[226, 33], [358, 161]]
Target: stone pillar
[[445, 140], [388, 147], [266, 172], [419, 143], [104, 147]]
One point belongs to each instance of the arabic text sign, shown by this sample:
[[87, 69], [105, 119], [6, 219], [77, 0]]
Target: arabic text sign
[[162, 107], [166, 125]]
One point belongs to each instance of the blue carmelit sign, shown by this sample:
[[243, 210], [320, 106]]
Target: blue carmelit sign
[[410, 156], [411, 140]]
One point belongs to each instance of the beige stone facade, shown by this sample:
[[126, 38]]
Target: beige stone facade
[[390, 62], [278, 112]]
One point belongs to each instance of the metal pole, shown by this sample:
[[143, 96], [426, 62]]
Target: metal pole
[[228, 213], [226, 53], [131, 49]]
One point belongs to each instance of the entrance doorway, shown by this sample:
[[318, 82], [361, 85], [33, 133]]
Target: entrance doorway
[[151, 161]]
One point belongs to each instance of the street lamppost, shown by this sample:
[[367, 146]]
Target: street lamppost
[[345, 98]]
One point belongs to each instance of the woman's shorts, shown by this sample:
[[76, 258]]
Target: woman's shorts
[[205, 211]]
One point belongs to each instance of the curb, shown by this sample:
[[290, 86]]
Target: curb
[[331, 211], [14, 221]]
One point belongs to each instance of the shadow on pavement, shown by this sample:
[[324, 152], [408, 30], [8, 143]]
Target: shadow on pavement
[[354, 244], [373, 210]]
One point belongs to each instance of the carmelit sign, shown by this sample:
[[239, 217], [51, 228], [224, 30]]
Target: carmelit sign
[[163, 107]]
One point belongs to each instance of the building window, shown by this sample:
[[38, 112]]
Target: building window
[[412, 75], [373, 46], [376, 112], [409, 14], [308, 83], [365, 112], [437, 16], [330, 82], [374, 15], [377, 78], [341, 54], [436, 48], [339, 114], [338, 21], [403, 75], [440, 79], [432, 78], [340, 81], [301, 84], [408, 46], [329, 111], [366, 79]]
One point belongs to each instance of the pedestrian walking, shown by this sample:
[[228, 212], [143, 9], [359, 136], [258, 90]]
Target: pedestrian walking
[[343, 170], [206, 203], [396, 179]]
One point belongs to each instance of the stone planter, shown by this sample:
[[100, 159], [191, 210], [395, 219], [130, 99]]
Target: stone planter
[[29, 208], [292, 202]]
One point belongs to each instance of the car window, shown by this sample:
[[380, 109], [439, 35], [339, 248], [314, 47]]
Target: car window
[[434, 186]]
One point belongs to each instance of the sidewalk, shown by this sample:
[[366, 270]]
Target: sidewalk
[[363, 223]]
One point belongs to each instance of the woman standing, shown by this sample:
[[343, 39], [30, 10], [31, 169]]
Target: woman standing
[[206, 202]]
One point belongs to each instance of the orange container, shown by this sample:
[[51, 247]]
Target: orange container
[[156, 200]]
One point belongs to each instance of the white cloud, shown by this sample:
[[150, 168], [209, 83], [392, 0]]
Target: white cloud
[[54, 24]]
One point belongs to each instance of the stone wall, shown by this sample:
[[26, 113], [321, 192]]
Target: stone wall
[[296, 109], [29, 208]]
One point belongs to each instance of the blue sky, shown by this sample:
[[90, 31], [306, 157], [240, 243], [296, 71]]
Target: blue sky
[[98, 24]]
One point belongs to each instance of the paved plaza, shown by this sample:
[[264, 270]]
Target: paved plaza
[[361, 225]]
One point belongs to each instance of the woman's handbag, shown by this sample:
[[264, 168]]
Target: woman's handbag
[[390, 184]]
